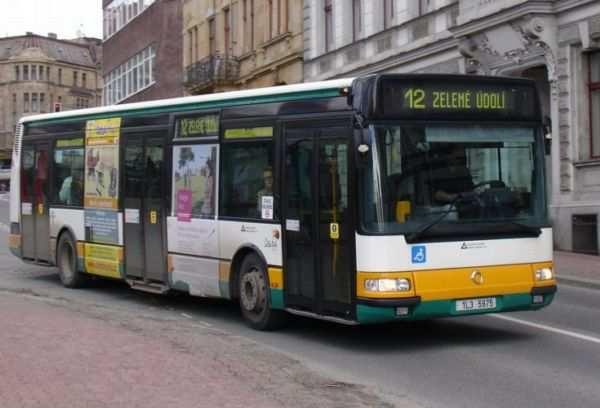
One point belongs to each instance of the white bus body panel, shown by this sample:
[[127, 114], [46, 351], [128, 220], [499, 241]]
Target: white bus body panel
[[201, 275], [74, 219], [264, 237], [199, 237], [394, 254]]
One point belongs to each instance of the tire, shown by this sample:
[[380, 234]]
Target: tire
[[66, 259], [254, 296]]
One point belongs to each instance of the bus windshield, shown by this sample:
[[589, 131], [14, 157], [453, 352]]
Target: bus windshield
[[451, 180]]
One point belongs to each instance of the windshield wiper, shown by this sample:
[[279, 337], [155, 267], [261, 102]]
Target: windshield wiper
[[419, 234]]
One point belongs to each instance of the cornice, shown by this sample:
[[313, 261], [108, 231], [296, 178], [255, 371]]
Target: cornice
[[502, 16], [437, 47]]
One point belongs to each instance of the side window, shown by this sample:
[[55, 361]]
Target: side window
[[247, 187], [68, 172]]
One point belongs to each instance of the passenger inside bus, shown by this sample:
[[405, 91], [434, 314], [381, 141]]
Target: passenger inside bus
[[451, 176], [266, 190]]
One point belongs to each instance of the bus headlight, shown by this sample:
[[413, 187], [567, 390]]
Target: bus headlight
[[387, 285], [543, 274]]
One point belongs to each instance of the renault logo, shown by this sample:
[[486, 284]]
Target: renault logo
[[477, 277]]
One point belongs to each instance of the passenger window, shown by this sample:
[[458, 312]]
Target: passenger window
[[248, 180], [68, 172]]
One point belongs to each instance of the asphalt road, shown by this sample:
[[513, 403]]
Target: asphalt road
[[549, 358]]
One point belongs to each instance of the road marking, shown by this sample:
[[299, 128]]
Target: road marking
[[549, 328]]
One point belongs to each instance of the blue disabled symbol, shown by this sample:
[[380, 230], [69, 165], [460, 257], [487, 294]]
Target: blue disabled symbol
[[419, 254]]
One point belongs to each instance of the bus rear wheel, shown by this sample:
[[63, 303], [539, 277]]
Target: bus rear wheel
[[254, 296], [66, 258]]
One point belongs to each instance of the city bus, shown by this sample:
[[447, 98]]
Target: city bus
[[381, 198]]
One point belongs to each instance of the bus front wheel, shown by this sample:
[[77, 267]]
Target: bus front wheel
[[254, 296], [66, 258]]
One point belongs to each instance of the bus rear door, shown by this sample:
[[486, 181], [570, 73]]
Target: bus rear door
[[318, 225], [35, 221]]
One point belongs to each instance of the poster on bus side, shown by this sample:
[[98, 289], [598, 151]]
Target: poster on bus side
[[102, 163]]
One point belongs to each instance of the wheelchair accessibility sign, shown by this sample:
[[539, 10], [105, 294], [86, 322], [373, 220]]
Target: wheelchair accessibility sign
[[419, 254]]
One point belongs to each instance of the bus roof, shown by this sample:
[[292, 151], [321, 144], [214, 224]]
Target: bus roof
[[192, 100]]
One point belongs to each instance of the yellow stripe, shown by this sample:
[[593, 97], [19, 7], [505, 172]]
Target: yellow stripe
[[14, 241], [224, 270], [276, 278], [103, 260], [459, 283]]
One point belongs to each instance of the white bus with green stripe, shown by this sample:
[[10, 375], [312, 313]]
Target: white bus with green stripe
[[376, 199]]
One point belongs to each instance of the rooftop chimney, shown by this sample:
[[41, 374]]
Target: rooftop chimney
[[52, 35], [29, 33]]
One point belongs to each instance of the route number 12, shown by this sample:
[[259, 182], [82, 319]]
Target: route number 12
[[415, 98]]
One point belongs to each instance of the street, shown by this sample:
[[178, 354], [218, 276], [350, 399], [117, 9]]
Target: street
[[549, 358]]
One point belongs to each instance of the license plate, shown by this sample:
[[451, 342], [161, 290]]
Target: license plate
[[467, 305]]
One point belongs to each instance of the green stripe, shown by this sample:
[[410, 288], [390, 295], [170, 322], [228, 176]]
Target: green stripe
[[277, 299], [327, 93], [447, 308]]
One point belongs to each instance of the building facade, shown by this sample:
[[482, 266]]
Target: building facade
[[141, 50], [554, 42], [44, 74], [240, 44]]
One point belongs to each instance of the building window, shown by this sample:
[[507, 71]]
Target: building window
[[25, 72], [388, 13], [121, 12], [424, 6], [40, 73], [75, 78], [42, 103], [26, 102], [34, 103], [212, 40], [594, 96], [328, 10], [60, 76], [84, 80], [252, 24], [227, 29], [137, 73], [17, 73], [356, 20], [47, 73]]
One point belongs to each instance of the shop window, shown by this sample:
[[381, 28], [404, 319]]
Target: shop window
[[594, 98]]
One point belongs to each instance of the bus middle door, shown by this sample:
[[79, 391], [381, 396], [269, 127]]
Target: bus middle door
[[145, 259]]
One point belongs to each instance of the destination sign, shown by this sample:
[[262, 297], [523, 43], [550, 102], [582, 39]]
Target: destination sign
[[198, 126], [456, 99]]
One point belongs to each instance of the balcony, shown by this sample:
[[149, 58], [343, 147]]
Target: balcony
[[211, 73]]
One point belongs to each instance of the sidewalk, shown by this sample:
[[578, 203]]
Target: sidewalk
[[577, 269]]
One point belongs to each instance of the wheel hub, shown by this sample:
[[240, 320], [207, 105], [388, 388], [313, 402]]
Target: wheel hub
[[251, 292]]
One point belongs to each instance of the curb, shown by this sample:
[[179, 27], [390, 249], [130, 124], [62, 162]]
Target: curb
[[575, 281]]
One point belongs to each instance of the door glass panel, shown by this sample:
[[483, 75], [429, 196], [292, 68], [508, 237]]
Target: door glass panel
[[40, 188], [154, 167], [134, 171], [334, 221], [27, 174], [299, 218]]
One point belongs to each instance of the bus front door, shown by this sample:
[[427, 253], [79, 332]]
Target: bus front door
[[145, 260], [319, 232], [35, 220]]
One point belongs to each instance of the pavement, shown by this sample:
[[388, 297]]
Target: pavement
[[577, 269]]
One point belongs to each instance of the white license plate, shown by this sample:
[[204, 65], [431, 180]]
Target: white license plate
[[466, 305]]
